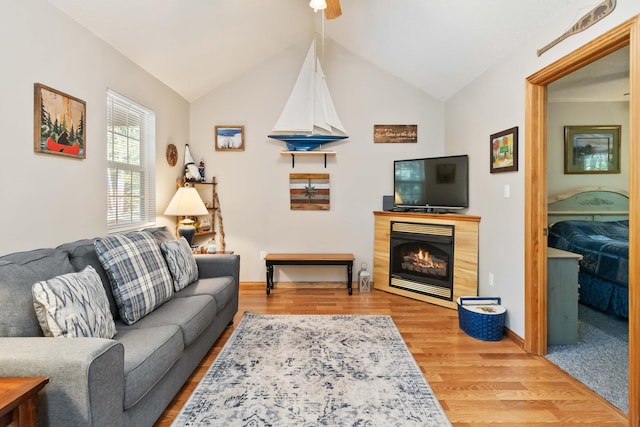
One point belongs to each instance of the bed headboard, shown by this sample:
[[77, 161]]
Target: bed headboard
[[590, 204]]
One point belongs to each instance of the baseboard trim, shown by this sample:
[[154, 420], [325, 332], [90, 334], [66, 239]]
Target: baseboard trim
[[514, 337]]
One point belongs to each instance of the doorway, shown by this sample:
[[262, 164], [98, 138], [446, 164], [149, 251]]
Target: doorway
[[536, 197]]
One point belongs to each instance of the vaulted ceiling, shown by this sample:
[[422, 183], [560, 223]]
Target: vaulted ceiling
[[194, 46]]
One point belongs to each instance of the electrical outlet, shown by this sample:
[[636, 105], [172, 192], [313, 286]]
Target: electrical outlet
[[490, 279], [262, 254]]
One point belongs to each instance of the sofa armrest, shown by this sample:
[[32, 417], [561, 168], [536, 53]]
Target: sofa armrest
[[86, 377], [218, 265]]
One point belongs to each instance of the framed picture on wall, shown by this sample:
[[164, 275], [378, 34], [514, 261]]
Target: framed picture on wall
[[59, 122], [591, 149], [229, 138], [503, 150]]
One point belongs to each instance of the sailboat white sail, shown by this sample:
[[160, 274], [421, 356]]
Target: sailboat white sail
[[309, 118]]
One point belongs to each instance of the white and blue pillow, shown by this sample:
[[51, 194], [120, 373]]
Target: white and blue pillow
[[138, 273], [181, 262], [73, 305]]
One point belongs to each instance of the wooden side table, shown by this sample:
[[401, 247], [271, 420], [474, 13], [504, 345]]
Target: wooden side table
[[19, 401]]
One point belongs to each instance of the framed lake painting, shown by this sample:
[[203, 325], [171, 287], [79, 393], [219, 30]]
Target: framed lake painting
[[229, 138], [591, 149]]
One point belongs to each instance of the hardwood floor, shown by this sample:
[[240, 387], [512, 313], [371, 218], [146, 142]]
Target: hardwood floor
[[478, 383]]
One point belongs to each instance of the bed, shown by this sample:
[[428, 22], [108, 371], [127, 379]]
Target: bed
[[594, 222]]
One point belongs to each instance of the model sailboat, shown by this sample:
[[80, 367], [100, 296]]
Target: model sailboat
[[309, 118]]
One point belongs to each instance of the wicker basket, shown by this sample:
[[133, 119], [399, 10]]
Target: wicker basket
[[481, 317]]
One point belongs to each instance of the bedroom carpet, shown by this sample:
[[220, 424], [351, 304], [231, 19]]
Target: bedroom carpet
[[300, 370], [600, 360]]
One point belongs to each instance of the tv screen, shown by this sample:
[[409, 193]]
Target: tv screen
[[434, 182]]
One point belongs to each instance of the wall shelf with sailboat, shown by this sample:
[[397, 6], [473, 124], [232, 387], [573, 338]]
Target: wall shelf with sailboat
[[309, 119]]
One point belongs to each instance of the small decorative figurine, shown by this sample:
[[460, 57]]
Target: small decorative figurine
[[201, 170], [192, 173]]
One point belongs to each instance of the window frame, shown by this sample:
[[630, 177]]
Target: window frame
[[138, 158]]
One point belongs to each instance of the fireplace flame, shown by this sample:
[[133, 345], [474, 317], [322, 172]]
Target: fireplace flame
[[422, 261]]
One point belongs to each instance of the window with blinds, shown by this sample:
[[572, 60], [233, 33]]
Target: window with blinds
[[130, 164]]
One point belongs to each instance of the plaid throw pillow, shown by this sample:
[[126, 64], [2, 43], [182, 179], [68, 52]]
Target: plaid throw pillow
[[139, 276], [181, 262], [73, 305]]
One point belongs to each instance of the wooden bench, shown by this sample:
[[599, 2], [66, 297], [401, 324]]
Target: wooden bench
[[272, 260]]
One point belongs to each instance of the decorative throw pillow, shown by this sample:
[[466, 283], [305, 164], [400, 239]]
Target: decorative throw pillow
[[73, 305], [181, 262], [139, 276]]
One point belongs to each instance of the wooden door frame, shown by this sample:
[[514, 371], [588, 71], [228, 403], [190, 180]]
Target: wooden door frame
[[535, 251]]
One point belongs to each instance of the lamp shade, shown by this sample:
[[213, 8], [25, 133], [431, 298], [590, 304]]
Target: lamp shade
[[318, 5], [186, 202]]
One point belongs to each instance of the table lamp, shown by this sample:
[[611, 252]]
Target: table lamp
[[186, 202]]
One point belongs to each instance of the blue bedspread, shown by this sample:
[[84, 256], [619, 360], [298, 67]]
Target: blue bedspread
[[604, 269], [604, 246]]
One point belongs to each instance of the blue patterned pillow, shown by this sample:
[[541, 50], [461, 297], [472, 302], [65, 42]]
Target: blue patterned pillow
[[73, 305], [139, 276], [181, 262]]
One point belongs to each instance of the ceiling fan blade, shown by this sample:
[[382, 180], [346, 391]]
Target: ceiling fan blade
[[333, 9]]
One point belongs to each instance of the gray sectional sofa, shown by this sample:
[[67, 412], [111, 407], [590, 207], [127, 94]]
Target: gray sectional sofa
[[130, 379]]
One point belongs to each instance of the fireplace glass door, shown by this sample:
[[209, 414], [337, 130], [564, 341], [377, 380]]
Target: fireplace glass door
[[421, 258]]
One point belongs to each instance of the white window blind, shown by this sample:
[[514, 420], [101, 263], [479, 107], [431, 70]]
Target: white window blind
[[131, 145]]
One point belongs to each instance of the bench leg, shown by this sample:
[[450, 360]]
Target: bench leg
[[269, 278], [349, 277]]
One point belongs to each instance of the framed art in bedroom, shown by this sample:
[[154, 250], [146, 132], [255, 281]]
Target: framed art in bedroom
[[591, 149]]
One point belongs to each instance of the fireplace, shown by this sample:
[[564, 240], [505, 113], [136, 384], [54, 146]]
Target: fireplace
[[462, 267], [421, 259]]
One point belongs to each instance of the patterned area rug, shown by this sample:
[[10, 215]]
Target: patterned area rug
[[320, 370]]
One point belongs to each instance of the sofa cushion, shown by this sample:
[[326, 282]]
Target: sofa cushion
[[181, 262], [83, 253], [193, 315], [149, 353], [73, 305], [139, 276], [223, 289], [18, 272]]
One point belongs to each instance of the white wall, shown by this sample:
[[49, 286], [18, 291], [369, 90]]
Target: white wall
[[48, 199], [561, 114], [495, 102], [254, 184]]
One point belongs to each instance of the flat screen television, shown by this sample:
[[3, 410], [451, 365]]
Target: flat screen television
[[432, 184]]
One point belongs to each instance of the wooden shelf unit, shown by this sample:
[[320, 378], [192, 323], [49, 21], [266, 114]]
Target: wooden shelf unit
[[465, 265], [212, 202]]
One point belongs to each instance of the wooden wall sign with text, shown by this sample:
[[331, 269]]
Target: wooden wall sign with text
[[395, 133]]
